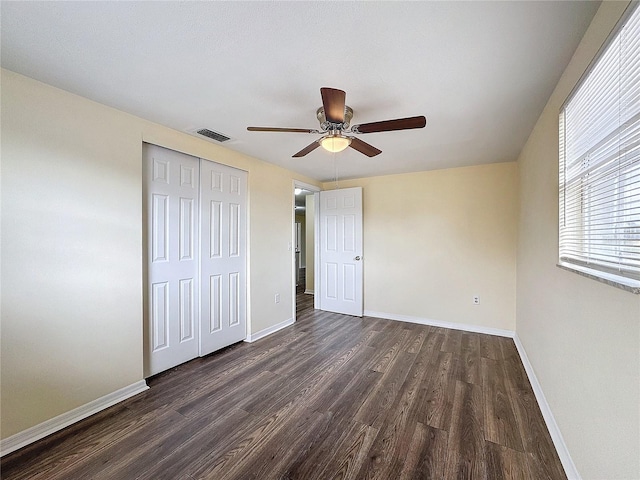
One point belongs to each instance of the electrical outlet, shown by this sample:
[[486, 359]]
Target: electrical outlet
[[277, 298], [476, 300]]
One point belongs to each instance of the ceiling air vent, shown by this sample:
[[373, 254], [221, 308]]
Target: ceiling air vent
[[218, 137]]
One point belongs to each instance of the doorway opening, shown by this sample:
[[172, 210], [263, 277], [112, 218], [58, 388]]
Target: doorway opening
[[304, 246]]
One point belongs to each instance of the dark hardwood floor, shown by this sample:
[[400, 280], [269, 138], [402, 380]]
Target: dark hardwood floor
[[330, 397]]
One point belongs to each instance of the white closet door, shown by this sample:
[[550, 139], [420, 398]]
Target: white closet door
[[171, 187], [223, 262]]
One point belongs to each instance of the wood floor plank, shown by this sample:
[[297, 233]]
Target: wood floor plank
[[70, 445], [508, 347], [434, 339], [238, 444], [439, 390], [466, 444], [228, 395], [506, 464], [327, 358], [207, 444], [491, 347], [542, 457], [391, 349], [393, 442], [452, 342], [271, 458], [318, 459], [470, 359], [387, 331], [218, 377], [319, 389], [128, 449], [305, 376], [375, 408], [403, 417], [331, 396], [426, 458], [500, 424], [345, 401], [341, 331], [350, 455], [374, 323], [417, 340], [414, 390], [172, 456]]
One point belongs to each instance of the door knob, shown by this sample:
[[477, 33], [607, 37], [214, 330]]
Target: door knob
[[357, 258]]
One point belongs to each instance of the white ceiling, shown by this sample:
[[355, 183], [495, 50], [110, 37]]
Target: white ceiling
[[481, 72]]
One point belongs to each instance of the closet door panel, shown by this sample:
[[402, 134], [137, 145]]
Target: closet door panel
[[171, 208], [224, 217]]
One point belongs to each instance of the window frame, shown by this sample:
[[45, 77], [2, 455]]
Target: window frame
[[591, 248]]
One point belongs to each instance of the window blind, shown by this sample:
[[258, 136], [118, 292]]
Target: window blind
[[600, 161]]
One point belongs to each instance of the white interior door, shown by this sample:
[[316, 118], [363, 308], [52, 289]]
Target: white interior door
[[341, 280], [171, 190], [223, 216]]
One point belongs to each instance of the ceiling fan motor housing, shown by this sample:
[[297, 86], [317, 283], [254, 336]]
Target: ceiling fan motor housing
[[324, 125]]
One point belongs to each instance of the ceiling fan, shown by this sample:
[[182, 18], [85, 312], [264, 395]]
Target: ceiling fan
[[335, 126]]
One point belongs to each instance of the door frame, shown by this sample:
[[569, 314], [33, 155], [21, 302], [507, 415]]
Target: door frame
[[316, 190]]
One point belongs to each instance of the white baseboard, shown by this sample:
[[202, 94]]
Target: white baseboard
[[30, 435], [269, 330], [309, 292], [436, 323], [563, 452]]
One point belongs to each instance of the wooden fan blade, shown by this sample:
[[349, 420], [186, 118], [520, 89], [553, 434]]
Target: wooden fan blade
[[277, 129], [333, 103], [389, 125], [364, 147], [307, 149]]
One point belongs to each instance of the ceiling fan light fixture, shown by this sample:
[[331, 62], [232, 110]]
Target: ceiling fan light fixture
[[335, 143]]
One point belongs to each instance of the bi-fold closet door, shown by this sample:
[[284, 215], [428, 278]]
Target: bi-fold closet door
[[195, 235]]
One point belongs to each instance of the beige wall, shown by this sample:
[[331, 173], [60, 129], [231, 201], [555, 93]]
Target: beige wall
[[72, 247], [433, 240], [582, 337]]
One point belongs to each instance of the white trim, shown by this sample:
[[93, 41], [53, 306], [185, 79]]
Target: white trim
[[436, 323], [316, 252], [308, 292], [306, 186], [30, 435], [269, 330], [556, 436]]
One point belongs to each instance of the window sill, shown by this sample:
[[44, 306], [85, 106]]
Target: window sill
[[627, 284]]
